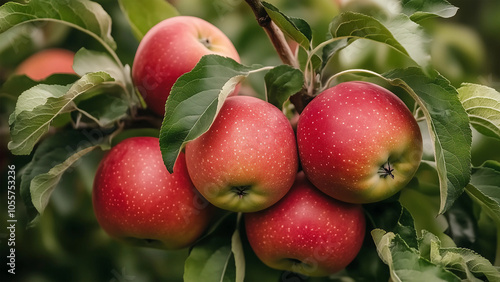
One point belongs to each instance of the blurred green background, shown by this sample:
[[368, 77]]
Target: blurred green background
[[68, 245]]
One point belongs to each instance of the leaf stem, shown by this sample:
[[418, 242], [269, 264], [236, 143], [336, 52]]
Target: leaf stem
[[327, 84], [497, 255]]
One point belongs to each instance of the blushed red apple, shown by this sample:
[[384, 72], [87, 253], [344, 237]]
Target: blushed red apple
[[307, 231], [47, 62], [248, 159], [172, 48], [358, 142], [136, 200]]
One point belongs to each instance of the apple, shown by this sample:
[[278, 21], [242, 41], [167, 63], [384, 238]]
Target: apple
[[307, 232], [248, 159], [136, 200], [47, 62], [172, 48], [358, 142]]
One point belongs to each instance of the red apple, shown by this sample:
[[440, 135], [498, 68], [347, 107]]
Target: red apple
[[248, 159], [172, 48], [358, 142], [136, 199], [47, 62], [307, 232]]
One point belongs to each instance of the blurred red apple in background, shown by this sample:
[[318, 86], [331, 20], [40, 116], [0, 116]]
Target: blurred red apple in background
[[47, 62]]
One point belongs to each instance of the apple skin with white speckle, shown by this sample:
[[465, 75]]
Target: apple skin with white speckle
[[358, 142], [248, 158], [136, 200], [307, 232], [171, 48]]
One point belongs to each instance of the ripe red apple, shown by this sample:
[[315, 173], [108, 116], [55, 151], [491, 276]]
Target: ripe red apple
[[248, 159], [136, 199], [47, 62], [358, 142], [307, 231], [172, 48]]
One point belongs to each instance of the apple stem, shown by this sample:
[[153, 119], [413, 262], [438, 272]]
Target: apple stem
[[386, 171]]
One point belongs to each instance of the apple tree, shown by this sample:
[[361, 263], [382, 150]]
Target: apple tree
[[369, 149]]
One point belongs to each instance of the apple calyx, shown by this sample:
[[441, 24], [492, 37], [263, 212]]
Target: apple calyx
[[386, 171], [206, 42], [241, 190]]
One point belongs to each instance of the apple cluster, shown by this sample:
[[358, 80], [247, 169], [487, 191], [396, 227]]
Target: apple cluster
[[301, 191]]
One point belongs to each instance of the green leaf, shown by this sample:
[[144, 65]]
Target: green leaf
[[484, 188], [52, 158], [393, 217], [406, 228], [156, 11], [195, 100], [84, 15], [88, 61], [217, 256], [405, 263], [418, 10], [332, 48], [398, 32], [471, 264], [237, 250], [282, 82], [482, 103], [102, 109], [297, 29], [448, 125], [37, 107]]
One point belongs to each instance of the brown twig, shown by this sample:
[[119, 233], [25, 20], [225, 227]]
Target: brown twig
[[278, 40]]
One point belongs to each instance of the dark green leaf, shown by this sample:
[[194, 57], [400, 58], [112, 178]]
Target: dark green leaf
[[212, 258], [103, 109], [37, 107], [405, 263], [156, 11], [398, 32], [282, 82], [195, 100], [332, 48], [484, 188], [449, 128], [418, 10], [84, 15], [51, 159], [297, 29], [482, 103], [393, 217], [466, 261], [406, 229]]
